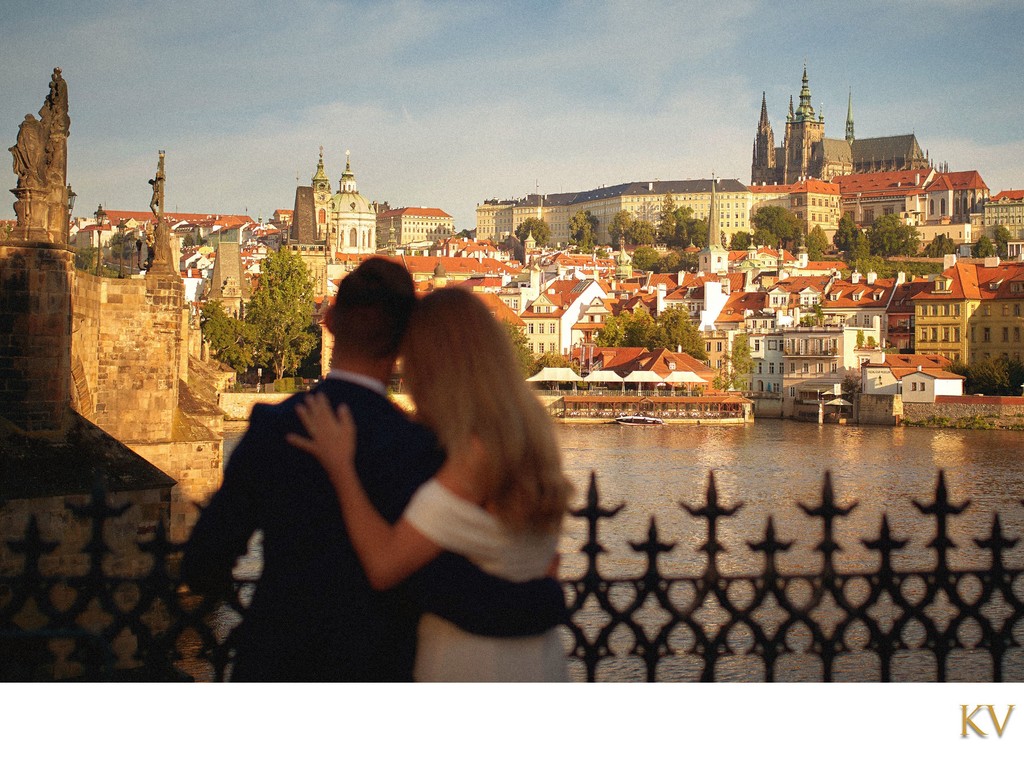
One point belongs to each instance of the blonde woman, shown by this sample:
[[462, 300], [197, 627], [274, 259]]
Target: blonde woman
[[498, 500]]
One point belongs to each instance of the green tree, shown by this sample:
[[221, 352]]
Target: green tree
[[740, 241], [845, 235], [992, 377], [550, 359], [815, 318], [583, 229], [619, 228], [817, 244], [676, 330], [641, 232], [540, 230], [776, 226], [940, 246], [697, 231], [280, 311], [646, 258], [738, 364], [520, 348], [667, 220], [688, 229], [229, 337], [85, 258], [627, 329], [983, 248], [889, 237], [1000, 236]]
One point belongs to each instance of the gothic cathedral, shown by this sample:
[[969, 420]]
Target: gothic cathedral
[[806, 153]]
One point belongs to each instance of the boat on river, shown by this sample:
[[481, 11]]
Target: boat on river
[[639, 419]]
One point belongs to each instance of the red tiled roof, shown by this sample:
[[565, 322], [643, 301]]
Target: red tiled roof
[[908, 182], [807, 186], [413, 211], [969, 180], [1008, 195]]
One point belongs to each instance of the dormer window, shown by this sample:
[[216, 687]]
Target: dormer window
[[942, 285]]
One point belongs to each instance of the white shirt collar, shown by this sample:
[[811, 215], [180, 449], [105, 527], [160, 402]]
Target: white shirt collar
[[355, 378]]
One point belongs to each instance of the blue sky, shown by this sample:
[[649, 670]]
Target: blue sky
[[448, 103]]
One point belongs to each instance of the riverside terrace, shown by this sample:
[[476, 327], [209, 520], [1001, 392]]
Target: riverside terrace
[[711, 409], [105, 609]]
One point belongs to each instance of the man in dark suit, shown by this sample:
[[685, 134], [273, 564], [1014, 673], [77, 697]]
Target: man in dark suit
[[314, 616]]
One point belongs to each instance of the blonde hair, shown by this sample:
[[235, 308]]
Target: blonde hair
[[464, 378]]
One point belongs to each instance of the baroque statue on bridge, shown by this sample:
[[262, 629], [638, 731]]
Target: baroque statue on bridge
[[40, 161]]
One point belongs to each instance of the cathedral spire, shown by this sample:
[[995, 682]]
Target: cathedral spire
[[790, 117], [805, 111], [763, 123], [849, 118]]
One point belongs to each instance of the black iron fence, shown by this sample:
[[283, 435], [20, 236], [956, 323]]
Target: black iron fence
[[109, 615]]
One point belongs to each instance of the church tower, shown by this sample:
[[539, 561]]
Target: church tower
[[804, 130], [714, 258], [762, 167], [321, 197], [849, 119]]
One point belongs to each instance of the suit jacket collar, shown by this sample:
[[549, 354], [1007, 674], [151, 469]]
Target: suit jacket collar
[[355, 378]]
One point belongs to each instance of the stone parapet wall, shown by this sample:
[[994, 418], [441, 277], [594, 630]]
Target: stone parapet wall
[[60, 525], [878, 409], [35, 335], [1003, 411], [238, 406], [198, 466], [128, 343]]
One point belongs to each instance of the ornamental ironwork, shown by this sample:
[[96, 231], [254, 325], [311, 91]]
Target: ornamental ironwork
[[116, 616]]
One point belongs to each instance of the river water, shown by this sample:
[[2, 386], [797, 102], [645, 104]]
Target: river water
[[769, 467]]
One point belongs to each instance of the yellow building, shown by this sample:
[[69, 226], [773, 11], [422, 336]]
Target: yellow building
[[974, 311], [643, 200], [1005, 209], [413, 225]]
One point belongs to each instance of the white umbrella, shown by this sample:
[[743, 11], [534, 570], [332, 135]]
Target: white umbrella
[[555, 375], [643, 376], [684, 376], [603, 376], [838, 402]]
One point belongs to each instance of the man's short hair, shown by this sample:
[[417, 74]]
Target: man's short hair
[[372, 309]]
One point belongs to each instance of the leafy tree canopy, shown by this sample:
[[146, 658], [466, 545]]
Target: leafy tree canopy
[[776, 226], [667, 220], [740, 241], [738, 364], [845, 235], [817, 244], [939, 247], [889, 237], [520, 348], [641, 232], [646, 258], [1000, 236], [280, 311], [619, 227], [1000, 376], [583, 229], [229, 338], [540, 230], [983, 248], [672, 331]]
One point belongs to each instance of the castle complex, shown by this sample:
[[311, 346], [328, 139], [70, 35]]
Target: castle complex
[[806, 153]]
